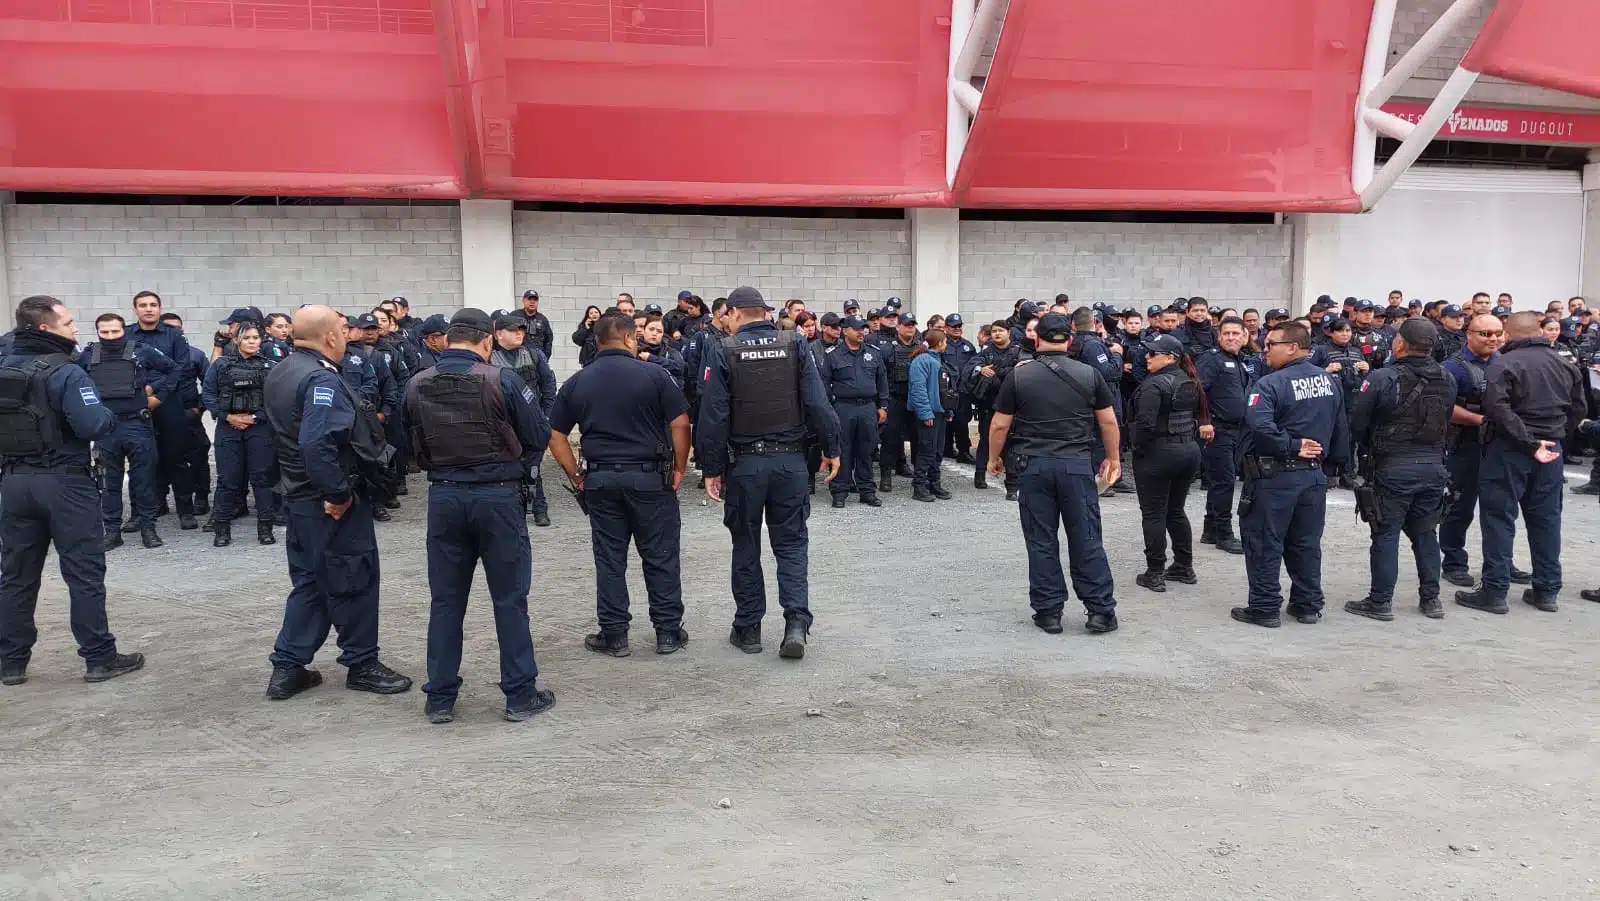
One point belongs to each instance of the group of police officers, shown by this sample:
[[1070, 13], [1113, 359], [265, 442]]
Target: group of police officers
[[323, 415]]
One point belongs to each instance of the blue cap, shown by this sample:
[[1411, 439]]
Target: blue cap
[[682, 295], [893, 303], [745, 297], [652, 308], [1053, 327], [1451, 310], [852, 305], [1028, 308], [435, 325], [906, 318], [954, 320], [1276, 313], [852, 322], [1502, 312], [1163, 344], [1363, 306], [365, 320], [830, 319]]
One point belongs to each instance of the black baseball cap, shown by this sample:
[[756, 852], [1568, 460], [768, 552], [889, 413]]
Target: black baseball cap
[[852, 322], [852, 306], [1179, 306], [652, 308], [954, 320], [1128, 311], [1364, 305], [242, 314], [1450, 310], [1053, 327], [830, 319], [530, 293], [473, 319], [1028, 308], [1328, 319], [366, 320], [1163, 344], [907, 318], [435, 325], [745, 297], [510, 321], [1502, 312], [1276, 313], [893, 303], [1155, 309]]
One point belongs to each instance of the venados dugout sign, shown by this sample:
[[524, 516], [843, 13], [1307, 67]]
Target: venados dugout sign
[[1469, 123]]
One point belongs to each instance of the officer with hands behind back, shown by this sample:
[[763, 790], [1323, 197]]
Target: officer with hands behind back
[[325, 441], [235, 395], [1401, 420], [1053, 410], [635, 424], [1297, 422], [475, 429], [49, 412], [759, 391], [130, 379]]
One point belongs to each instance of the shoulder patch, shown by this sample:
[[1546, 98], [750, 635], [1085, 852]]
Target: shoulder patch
[[527, 394], [89, 397], [322, 397], [1254, 399]]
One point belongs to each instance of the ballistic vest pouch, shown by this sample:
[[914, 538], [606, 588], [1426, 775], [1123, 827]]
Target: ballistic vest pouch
[[245, 386], [28, 427], [764, 384], [116, 378], [461, 419]]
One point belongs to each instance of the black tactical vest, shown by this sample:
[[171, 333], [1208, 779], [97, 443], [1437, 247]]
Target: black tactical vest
[[1178, 408], [1055, 408], [285, 389], [116, 378], [241, 389], [1480, 380], [459, 419], [1421, 422], [764, 385], [28, 427], [900, 362]]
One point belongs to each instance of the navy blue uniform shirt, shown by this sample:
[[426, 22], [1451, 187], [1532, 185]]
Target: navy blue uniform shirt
[[856, 374], [169, 340], [711, 440], [522, 406], [623, 405], [1295, 402], [1226, 379]]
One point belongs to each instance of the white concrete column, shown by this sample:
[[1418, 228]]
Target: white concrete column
[[488, 260], [1315, 258], [7, 302], [1589, 280], [935, 261]]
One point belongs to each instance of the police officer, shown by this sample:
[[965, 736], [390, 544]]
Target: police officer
[[656, 350], [235, 395], [1050, 409], [1197, 333], [127, 377], [985, 375], [931, 400], [170, 418], [540, 334], [476, 429], [431, 338], [49, 412], [760, 391], [901, 342], [1226, 376], [958, 353], [635, 425], [275, 344], [1091, 349], [1451, 332], [1532, 402], [1297, 421], [1367, 336], [368, 331], [1464, 444], [1164, 417], [854, 376], [513, 352], [197, 443], [323, 438], [1401, 420], [357, 369]]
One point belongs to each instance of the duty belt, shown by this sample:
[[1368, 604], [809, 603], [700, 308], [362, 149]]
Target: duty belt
[[1271, 466], [593, 466], [517, 483], [1417, 457], [769, 448], [855, 400], [141, 416]]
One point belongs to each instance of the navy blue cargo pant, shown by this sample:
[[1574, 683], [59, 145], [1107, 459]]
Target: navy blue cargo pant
[[38, 508], [173, 440], [333, 577], [1511, 478], [898, 428], [1411, 497], [1284, 527], [930, 445], [130, 448], [1220, 463], [769, 488], [626, 506], [199, 444], [245, 457], [858, 432], [1463, 464], [468, 524], [1056, 493]]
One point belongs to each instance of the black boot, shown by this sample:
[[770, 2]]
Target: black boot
[[112, 542], [202, 505], [1101, 622], [980, 479], [392, 503], [885, 481], [838, 502], [614, 644], [264, 532], [1303, 615], [1459, 577], [670, 640], [186, 522], [1226, 542], [542, 700], [1520, 576], [380, 513], [794, 640], [288, 681], [119, 665], [1049, 623], [921, 493], [1011, 494], [150, 538], [373, 676], [222, 534], [541, 518], [903, 470], [1590, 487], [871, 500], [965, 457], [130, 526], [1432, 608], [1265, 618], [1208, 534], [940, 492], [13, 673], [1183, 574], [1539, 600], [747, 640], [1371, 609], [1480, 600], [210, 525], [811, 484], [1590, 594], [1153, 579], [1123, 486]]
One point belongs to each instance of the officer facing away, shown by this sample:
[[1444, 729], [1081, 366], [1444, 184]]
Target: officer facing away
[[1401, 420], [49, 412], [1297, 422], [322, 437], [629, 478], [130, 379], [1532, 401], [475, 429], [759, 390], [1054, 410], [855, 376]]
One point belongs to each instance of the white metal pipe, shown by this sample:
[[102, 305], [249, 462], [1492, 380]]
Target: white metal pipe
[[965, 94], [1379, 33], [985, 23], [1439, 112], [1451, 22], [1388, 124], [958, 124]]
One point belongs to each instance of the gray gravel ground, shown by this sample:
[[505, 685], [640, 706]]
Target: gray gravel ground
[[959, 752]]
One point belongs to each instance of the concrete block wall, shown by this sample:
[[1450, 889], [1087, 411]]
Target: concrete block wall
[[207, 260], [577, 259], [1414, 17], [1132, 264]]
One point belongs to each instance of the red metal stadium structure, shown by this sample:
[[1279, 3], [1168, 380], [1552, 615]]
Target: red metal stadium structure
[[1153, 104]]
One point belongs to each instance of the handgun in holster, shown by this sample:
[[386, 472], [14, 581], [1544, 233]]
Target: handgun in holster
[[1366, 492]]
